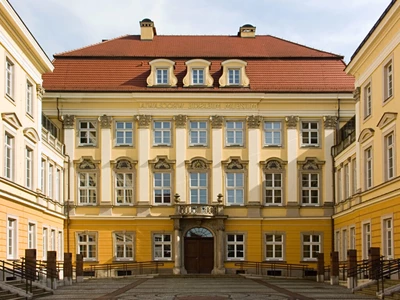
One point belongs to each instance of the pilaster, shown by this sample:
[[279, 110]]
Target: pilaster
[[37, 162], [217, 147], [292, 149], [330, 123], [254, 146], [69, 141], [181, 144], [356, 96], [106, 144], [144, 122]]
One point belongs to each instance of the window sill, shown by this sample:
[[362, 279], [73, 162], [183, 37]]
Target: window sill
[[161, 145], [123, 146], [273, 204], [310, 146], [310, 205], [234, 146], [10, 98], [198, 145], [87, 145], [124, 205], [388, 99], [273, 146]]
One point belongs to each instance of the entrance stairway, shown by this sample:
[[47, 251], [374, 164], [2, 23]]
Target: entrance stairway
[[371, 290], [37, 292]]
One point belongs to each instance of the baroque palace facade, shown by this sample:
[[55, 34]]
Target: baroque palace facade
[[367, 164], [32, 164], [199, 151]]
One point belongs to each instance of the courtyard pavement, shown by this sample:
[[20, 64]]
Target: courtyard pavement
[[203, 288]]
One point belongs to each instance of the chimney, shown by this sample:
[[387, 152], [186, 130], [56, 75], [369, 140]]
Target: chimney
[[147, 30], [247, 31]]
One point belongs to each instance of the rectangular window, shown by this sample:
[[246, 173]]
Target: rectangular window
[[43, 175], [198, 188], [339, 185], [162, 76], [198, 133], [309, 134], [31, 236], [29, 98], [123, 246], [87, 246], [124, 133], [273, 134], [197, 76], [60, 245], [50, 182], [389, 153], [273, 188], [124, 188], [354, 179], [309, 188], [52, 240], [9, 78], [235, 188], [352, 238], [162, 133], [346, 181], [162, 188], [162, 244], [87, 133], [344, 245], [311, 246], [388, 238], [45, 242], [368, 167], [233, 76], [12, 244], [388, 80], [234, 133], [366, 239], [9, 157], [57, 191], [28, 167], [274, 247], [368, 101], [235, 246], [87, 188]]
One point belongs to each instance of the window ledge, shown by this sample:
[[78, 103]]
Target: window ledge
[[198, 145], [273, 146], [234, 146], [161, 145]]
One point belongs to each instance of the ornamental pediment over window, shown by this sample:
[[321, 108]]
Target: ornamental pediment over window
[[162, 163], [162, 73], [387, 118], [12, 119], [31, 134], [86, 163], [311, 164], [124, 164], [234, 74], [198, 73], [366, 134], [234, 163], [198, 163], [273, 164]]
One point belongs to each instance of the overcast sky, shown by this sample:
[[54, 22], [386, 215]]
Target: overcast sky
[[336, 26]]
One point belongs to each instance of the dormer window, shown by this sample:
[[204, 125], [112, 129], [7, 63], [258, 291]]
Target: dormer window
[[198, 73], [162, 73], [234, 74]]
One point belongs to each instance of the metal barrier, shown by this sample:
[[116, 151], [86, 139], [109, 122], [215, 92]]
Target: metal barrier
[[274, 267], [146, 267]]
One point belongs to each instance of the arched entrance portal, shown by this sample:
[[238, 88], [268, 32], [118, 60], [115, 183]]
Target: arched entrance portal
[[199, 250]]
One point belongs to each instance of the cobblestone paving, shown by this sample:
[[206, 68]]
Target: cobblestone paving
[[203, 288]]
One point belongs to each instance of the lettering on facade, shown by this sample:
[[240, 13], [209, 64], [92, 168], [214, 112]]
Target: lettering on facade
[[199, 105]]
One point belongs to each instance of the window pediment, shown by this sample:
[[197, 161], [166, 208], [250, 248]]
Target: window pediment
[[386, 119], [157, 76], [124, 164], [234, 73], [273, 164], [311, 163], [234, 164], [193, 79], [86, 163], [12, 119], [198, 163], [161, 163], [366, 134], [32, 134]]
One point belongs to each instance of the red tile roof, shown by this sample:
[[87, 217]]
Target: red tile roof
[[273, 65]]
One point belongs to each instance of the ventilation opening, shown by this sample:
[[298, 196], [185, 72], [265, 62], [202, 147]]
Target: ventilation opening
[[124, 273], [274, 272]]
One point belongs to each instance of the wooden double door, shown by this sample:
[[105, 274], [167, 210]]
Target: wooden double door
[[199, 254]]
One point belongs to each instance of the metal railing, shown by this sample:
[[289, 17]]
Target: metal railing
[[275, 268], [14, 271], [385, 270], [139, 268]]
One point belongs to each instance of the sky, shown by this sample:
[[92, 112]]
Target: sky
[[336, 26]]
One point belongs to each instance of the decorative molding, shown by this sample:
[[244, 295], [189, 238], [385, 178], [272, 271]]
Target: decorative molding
[[217, 121], [234, 163], [273, 164], [311, 163], [123, 164], [198, 64], [39, 91], [253, 122], [87, 164], [161, 162], [68, 121], [387, 118], [356, 94], [143, 121], [180, 121], [236, 64], [32, 134], [198, 163], [291, 122], [105, 121], [330, 122], [12, 119], [365, 135], [164, 64]]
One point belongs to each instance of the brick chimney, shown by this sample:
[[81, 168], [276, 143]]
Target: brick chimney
[[247, 31], [147, 30]]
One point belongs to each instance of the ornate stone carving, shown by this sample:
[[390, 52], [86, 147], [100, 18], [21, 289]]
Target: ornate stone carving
[[356, 94], [291, 122], [217, 121], [273, 165], [330, 122], [311, 163], [253, 122], [180, 121], [105, 121], [143, 121], [39, 91], [86, 164], [123, 164], [198, 164], [162, 164], [68, 121], [235, 165]]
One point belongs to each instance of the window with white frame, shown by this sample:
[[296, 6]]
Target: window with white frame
[[367, 101], [273, 133], [31, 235], [57, 191], [28, 167], [387, 238], [162, 76], [309, 133], [162, 188], [123, 246], [60, 246], [198, 188], [162, 246], [354, 175], [366, 241], [368, 167], [352, 238], [8, 156], [339, 186], [309, 188], [12, 243], [388, 81], [312, 245], [346, 181], [233, 76], [234, 188], [162, 133], [344, 245], [124, 188], [274, 246], [50, 181], [43, 175], [235, 246], [87, 245], [29, 98], [87, 183], [53, 240], [124, 133], [198, 133], [337, 241], [197, 76], [87, 133], [234, 133], [9, 78], [45, 242], [273, 188], [390, 156]]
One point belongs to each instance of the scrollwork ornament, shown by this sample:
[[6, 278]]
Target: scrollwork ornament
[[217, 121], [39, 91], [291, 122], [105, 121], [330, 122], [253, 122], [356, 94], [180, 121], [68, 121], [143, 121]]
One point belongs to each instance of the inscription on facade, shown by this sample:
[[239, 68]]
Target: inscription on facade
[[199, 105]]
